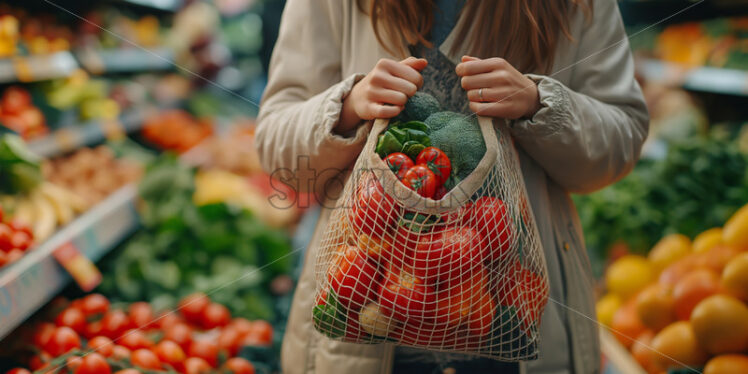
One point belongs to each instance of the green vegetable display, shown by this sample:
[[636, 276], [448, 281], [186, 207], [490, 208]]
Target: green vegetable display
[[20, 170], [461, 139], [184, 248], [698, 185]]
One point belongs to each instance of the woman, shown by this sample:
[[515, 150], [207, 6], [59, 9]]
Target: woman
[[558, 72]]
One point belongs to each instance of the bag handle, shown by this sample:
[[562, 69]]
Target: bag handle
[[410, 199]]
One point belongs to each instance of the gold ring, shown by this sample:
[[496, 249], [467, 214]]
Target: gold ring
[[480, 94]]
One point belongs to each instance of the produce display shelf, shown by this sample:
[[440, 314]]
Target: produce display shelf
[[165, 5], [126, 60], [706, 79], [37, 67], [32, 281], [70, 138], [619, 360]]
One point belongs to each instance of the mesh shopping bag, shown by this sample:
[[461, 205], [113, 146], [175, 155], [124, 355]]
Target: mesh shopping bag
[[463, 274]]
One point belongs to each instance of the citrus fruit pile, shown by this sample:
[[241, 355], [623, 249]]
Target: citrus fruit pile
[[684, 305]]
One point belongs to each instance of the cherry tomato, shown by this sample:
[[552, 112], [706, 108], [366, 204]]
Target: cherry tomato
[[229, 341], [94, 304], [73, 318], [437, 161], [239, 365], [93, 329], [134, 339], [262, 331], [242, 326], [102, 345], [141, 314], [63, 339], [42, 334], [206, 349], [128, 371], [492, 220], [73, 362], [15, 99], [20, 240], [192, 306], [196, 365], [168, 319], [93, 363], [353, 277], [39, 361], [120, 353], [145, 359], [405, 296], [422, 180], [6, 233], [170, 353], [16, 225], [451, 253], [215, 315], [373, 211], [180, 334], [18, 371], [114, 324], [399, 163]]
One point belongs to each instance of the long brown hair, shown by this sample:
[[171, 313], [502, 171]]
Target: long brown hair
[[524, 32]]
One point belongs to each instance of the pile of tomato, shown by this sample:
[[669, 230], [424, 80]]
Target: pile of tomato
[[199, 337], [426, 175], [429, 280], [15, 239]]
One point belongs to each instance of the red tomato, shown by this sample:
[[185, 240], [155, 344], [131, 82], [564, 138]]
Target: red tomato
[[16, 225], [207, 349], [114, 324], [526, 291], [18, 371], [93, 329], [353, 277], [215, 315], [406, 296], [229, 341], [63, 339], [6, 234], [492, 220], [168, 319], [145, 359], [196, 365], [450, 253], [42, 334], [263, 331], [94, 304], [437, 161], [373, 211], [3, 258], [180, 334], [440, 192], [192, 306], [170, 353], [15, 99], [239, 365], [399, 163], [480, 319], [20, 240], [243, 326], [141, 314], [134, 339], [39, 361], [128, 371], [422, 180], [72, 363], [73, 318], [93, 363], [102, 344], [120, 353], [14, 255], [460, 295]]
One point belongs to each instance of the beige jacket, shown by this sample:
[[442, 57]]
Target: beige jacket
[[588, 134]]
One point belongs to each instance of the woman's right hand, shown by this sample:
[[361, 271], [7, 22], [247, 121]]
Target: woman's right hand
[[382, 93]]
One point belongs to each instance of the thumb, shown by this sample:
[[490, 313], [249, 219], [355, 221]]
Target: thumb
[[469, 58], [415, 63]]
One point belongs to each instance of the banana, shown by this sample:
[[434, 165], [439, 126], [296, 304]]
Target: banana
[[44, 217], [59, 201], [72, 199]]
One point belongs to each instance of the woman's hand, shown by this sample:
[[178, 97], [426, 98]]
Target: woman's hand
[[382, 93], [506, 93]]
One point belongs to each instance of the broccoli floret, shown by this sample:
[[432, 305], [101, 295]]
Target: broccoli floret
[[418, 108], [438, 120], [462, 141]]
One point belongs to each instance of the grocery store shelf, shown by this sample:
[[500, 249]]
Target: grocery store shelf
[[29, 283], [37, 67], [706, 79], [166, 5], [73, 137], [619, 359], [126, 60]]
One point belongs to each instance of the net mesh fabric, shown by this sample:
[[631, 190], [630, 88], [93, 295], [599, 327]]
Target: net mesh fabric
[[465, 274]]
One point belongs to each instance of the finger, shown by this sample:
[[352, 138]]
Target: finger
[[467, 58], [488, 95], [400, 85], [472, 82], [387, 96], [406, 72], [384, 111], [473, 67], [416, 63]]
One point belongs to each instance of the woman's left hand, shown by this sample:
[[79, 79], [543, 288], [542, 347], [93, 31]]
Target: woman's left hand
[[496, 89]]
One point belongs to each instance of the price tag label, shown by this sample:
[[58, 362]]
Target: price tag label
[[84, 271]]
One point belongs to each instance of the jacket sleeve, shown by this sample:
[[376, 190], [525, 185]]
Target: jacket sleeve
[[589, 134], [303, 99]]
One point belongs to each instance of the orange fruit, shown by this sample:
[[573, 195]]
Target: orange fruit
[[720, 323], [655, 306], [676, 346], [735, 277], [628, 275], [643, 353], [626, 325], [668, 250], [694, 287], [727, 364], [707, 240], [675, 271], [718, 257], [735, 231]]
